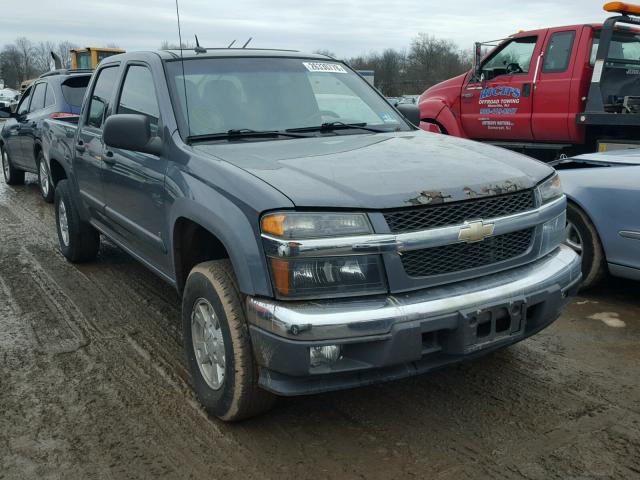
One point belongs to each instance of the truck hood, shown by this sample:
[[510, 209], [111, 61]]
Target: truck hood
[[377, 171], [454, 83]]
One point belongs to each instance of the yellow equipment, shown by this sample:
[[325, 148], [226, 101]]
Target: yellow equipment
[[88, 58]]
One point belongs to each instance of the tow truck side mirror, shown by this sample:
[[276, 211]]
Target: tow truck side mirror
[[411, 112], [131, 132]]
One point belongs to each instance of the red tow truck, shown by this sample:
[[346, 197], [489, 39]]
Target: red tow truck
[[563, 90]]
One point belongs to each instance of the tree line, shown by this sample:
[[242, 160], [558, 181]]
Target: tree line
[[424, 63], [411, 71]]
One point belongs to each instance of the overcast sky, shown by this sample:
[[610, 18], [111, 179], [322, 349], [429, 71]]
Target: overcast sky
[[345, 27]]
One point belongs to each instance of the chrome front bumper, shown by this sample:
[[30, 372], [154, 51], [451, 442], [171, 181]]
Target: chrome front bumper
[[365, 317]]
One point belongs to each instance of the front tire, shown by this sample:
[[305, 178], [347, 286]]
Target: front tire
[[12, 176], [79, 241], [44, 179], [583, 237], [217, 344]]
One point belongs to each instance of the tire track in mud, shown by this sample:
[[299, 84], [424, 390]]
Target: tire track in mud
[[556, 406]]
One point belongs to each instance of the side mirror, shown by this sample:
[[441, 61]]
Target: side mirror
[[5, 114], [411, 112], [131, 132]]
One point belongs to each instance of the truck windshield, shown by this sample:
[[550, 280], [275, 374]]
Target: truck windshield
[[625, 46], [219, 95]]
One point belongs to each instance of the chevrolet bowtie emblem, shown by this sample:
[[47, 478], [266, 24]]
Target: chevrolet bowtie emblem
[[475, 231]]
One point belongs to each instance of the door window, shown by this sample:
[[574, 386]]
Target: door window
[[37, 102], [101, 96], [23, 108], [513, 58], [50, 98], [558, 52], [139, 96]]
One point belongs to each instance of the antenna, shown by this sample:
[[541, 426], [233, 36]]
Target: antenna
[[245, 45], [231, 44], [198, 48], [184, 78]]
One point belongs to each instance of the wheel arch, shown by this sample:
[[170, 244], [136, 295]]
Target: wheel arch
[[199, 234]]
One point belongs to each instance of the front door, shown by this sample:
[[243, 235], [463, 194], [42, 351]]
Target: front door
[[134, 181], [14, 127], [29, 126], [89, 147], [498, 106]]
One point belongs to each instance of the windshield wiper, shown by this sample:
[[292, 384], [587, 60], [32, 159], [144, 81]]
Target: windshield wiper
[[243, 132], [330, 126]]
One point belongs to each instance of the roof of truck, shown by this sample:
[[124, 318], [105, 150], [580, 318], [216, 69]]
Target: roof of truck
[[168, 55]]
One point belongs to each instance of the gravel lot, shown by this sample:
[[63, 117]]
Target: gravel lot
[[93, 384]]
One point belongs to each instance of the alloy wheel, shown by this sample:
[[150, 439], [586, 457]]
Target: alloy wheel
[[63, 223], [208, 343]]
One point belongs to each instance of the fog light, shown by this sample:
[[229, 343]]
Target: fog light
[[324, 355]]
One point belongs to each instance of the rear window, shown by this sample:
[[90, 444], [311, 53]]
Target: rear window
[[624, 48], [73, 89]]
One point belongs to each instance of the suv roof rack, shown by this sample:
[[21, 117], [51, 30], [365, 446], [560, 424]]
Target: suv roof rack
[[65, 71]]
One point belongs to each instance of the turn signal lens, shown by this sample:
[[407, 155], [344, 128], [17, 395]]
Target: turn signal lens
[[273, 224], [622, 7], [280, 269]]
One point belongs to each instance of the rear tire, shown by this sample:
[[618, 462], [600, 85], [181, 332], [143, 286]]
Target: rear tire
[[12, 176], [583, 237], [44, 179], [218, 346], [79, 241]]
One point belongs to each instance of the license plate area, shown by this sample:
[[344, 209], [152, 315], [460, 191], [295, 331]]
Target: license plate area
[[482, 327]]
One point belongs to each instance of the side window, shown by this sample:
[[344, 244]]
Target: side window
[[23, 107], [556, 59], [101, 96], [514, 58], [50, 98], [37, 102], [139, 95]]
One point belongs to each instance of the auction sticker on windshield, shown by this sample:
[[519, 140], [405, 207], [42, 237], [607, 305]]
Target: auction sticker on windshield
[[324, 67]]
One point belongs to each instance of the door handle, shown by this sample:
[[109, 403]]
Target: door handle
[[467, 95], [80, 147], [108, 158], [526, 90]]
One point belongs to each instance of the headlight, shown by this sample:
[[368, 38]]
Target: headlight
[[550, 189], [299, 225], [321, 277], [328, 277]]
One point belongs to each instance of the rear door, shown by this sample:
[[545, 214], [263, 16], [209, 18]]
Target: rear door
[[551, 118], [89, 148], [499, 106], [134, 181]]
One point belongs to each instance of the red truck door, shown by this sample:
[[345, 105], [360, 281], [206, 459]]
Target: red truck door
[[499, 107], [553, 88]]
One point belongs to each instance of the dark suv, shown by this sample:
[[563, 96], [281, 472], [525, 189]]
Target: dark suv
[[54, 94]]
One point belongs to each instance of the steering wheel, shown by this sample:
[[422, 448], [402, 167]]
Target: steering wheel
[[514, 68]]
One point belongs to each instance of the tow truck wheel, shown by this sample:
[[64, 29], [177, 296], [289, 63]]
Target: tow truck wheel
[[44, 179], [79, 241], [12, 176], [583, 237], [217, 344]]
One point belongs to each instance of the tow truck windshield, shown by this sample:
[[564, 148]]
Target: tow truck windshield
[[216, 96]]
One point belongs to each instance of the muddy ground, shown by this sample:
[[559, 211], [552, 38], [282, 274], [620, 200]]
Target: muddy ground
[[93, 384]]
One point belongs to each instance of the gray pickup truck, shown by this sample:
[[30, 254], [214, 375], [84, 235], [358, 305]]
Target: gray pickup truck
[[319, 240]]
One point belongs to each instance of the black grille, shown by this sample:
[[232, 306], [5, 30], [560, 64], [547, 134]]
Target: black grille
[[463, 256], [421, 218]]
